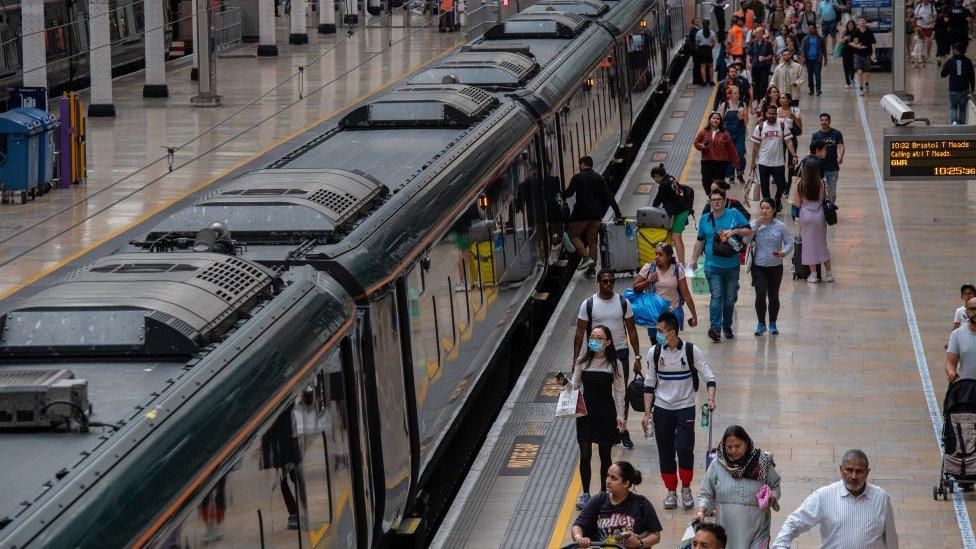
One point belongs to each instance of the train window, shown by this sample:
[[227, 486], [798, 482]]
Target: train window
[[139, 16]]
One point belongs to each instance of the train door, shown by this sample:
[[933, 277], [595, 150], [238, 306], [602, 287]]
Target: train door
[[388, 408], [363, 445]]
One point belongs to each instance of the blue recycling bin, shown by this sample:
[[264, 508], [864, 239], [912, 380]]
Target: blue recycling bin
[[45, 152], [19, 161]]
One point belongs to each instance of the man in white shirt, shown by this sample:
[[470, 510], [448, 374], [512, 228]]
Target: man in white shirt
[[961, 352], [670, 388], [610, 309], [788, 75], [851, 513], [770, 141]]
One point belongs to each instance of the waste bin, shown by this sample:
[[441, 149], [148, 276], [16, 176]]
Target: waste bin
[[19, 136], [45, 151]]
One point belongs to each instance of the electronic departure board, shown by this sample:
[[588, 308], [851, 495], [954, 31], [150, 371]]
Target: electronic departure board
[[929, 153]]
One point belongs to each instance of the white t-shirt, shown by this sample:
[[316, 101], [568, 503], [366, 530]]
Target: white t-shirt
[[772, 143], [788, 122], [925, 14], [607, 313], [960, 315], [963, 343]]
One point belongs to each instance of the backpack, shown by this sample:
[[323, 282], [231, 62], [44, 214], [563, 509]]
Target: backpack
[[689, 357], [589, 312]]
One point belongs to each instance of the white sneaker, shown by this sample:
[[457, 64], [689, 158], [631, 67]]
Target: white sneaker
[[847, 86], [812, 278], [671, 500], [687, 499], [829, 277]]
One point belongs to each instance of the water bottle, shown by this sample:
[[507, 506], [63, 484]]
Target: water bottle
[[705, 415]]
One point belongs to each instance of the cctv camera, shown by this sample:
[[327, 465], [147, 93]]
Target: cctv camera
[[901, 113]]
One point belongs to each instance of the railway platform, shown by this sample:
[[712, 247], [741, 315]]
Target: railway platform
[[130, 176], [859, 363]]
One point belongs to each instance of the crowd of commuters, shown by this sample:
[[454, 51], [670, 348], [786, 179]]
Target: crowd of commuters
[[771, 52]]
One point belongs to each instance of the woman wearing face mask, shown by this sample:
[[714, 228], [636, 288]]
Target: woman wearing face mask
[[772, 241], [733, 484], [619, 509], [598, 373], [666, 277]]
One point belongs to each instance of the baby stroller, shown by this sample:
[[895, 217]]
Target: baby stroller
[[959, 438]]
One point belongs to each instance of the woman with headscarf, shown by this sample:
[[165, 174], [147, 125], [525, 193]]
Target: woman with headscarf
[[743, 485]]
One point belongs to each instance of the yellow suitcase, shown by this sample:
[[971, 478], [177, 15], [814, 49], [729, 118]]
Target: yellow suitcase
[[647, 239], [481, 255]]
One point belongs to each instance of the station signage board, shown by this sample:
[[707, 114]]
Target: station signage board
[[930, 153]]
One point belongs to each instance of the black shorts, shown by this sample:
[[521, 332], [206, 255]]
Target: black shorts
[[862, 63]]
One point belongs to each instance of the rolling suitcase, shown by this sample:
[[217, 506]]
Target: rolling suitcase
[[618, 246], [647, 240], [710, 451], [800, 271], [650, 216]]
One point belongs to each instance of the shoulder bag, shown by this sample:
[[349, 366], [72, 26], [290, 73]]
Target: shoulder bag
[[728, 248]]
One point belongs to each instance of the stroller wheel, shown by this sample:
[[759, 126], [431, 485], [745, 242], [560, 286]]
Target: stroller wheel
[[935, 493]]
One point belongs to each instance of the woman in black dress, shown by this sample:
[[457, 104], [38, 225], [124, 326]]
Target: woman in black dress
[[598, 373]]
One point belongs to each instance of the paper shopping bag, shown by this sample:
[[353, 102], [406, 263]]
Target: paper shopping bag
[[570, 404]]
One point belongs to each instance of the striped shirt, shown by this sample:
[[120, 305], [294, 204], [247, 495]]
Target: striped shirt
[[673, 387], [846, 522]]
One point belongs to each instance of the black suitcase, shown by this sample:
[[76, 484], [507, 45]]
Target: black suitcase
[[800, 271]]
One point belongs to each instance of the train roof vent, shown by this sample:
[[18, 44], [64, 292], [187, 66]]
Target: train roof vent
[[520, 49], [433, 105], [539, 25], [589, 8], [483, 69], [135, 305], [280, 205]]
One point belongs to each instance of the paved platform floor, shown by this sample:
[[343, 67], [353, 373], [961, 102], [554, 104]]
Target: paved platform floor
[[843, 374], [40, 235]]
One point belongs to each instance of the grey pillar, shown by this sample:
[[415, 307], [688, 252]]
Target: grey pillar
[[327, 23], [267, 29], [100, 59], [155, 50], [299, 35], [194, 9], [204, 44], [898, 51], [35, 53]]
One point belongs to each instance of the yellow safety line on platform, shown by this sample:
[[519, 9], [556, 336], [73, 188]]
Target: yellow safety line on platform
[[566, 510], [569, 500], [692, 150], [47, 270]]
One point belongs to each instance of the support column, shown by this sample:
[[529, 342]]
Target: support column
[[155, 54], [204, 36], [35, 53], [195, 68], [327, 23], [100, 59], [267, 42], [299, 35], [898, 51], [352, 13]]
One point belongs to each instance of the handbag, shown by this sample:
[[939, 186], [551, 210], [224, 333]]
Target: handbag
[[830, 211], [635, 393], [570, 404], [727, 248], [839, 50]]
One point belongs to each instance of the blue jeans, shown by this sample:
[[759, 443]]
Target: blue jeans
[[723, 284], [957, 106], [813, 75]]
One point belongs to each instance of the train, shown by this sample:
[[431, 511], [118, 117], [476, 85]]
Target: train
[[309, 351]]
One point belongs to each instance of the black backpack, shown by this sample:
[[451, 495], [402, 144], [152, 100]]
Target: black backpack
[[689, 356]]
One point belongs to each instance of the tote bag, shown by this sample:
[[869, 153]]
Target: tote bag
[[570, 404]]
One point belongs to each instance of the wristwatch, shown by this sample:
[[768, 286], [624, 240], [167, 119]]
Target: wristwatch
[[637, 355]]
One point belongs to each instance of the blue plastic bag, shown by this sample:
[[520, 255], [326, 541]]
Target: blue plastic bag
[[647, 306]]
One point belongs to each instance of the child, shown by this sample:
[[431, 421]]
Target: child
[[918, 48], [967, 292]]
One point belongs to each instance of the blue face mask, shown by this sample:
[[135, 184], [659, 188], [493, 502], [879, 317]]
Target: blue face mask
[[661, 340], [595, 345]]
